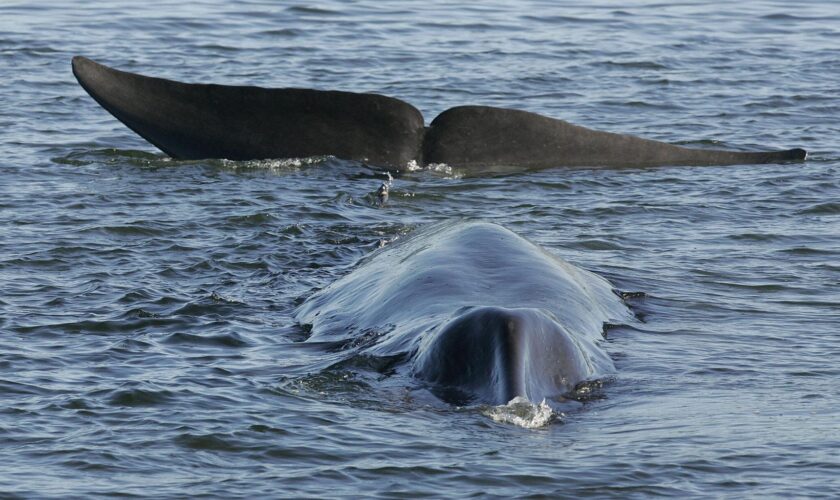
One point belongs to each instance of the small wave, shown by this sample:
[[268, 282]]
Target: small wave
[[632, 64], [216, 47], [284, 32], [209, 442], [597, 244], [217, 340], [221, 340], [641, 104], [803, 250], [566, 19], [754, 237], [112, 155], [829, 208], [333, 383], [139, 397], [790, 17], [137, 229], [101, 327], [275, 165], [303, 9], [255, 219], [523, 413]]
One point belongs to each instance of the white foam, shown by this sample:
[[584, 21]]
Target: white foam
[[441, 168], [283, 164], [412, 166], [523, 413]]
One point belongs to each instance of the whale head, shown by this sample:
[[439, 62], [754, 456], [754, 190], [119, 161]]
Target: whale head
[[494, 354]]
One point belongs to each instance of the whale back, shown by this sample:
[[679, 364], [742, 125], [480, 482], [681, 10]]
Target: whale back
[[196, 121], [399, 300]]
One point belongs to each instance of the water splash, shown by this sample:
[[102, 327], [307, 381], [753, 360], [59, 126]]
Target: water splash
[[521, 412], [441, 168], [383, 192], [276, 165]]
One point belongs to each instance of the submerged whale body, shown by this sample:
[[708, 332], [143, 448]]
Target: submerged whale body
[[198, 121], [480, 314]]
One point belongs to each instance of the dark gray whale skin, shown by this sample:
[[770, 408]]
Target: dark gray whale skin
[[199, 121], [474, 136], [494, 354], [474, 312]]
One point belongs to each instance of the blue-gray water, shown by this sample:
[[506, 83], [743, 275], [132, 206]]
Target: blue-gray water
[[147, 346]]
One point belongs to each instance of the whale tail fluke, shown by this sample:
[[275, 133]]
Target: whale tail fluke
[[198, 121], [487, 136]]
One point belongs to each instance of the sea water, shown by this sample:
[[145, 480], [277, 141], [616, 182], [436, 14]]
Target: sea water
[[147, 339]]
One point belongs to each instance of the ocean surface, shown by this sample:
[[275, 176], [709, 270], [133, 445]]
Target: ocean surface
[[148, 345]]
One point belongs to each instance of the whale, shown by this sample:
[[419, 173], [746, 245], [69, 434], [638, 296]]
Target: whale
[[193, 121], [475, 313]]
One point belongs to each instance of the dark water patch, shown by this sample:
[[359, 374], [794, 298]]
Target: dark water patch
[[828, 208], [726, 371], [219, 340], [455, 25], [256, 219], [10, 387], [31, 262], [779, 16], [636, 65], [215, 47], [210, 307], [267, 429], [383, 365], [131, 346], [101, 327], [307, 10], [643, 104], [140, 397], [756, 287], [147, 295], [209, 442], [91, 466], [284, 32], [555, 19], [756, 237], [188, 270], [821, 304], [77, 404], [293, 230], [805, 251], [141, 313], [596, 244], [136, 229], [814, 373]]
